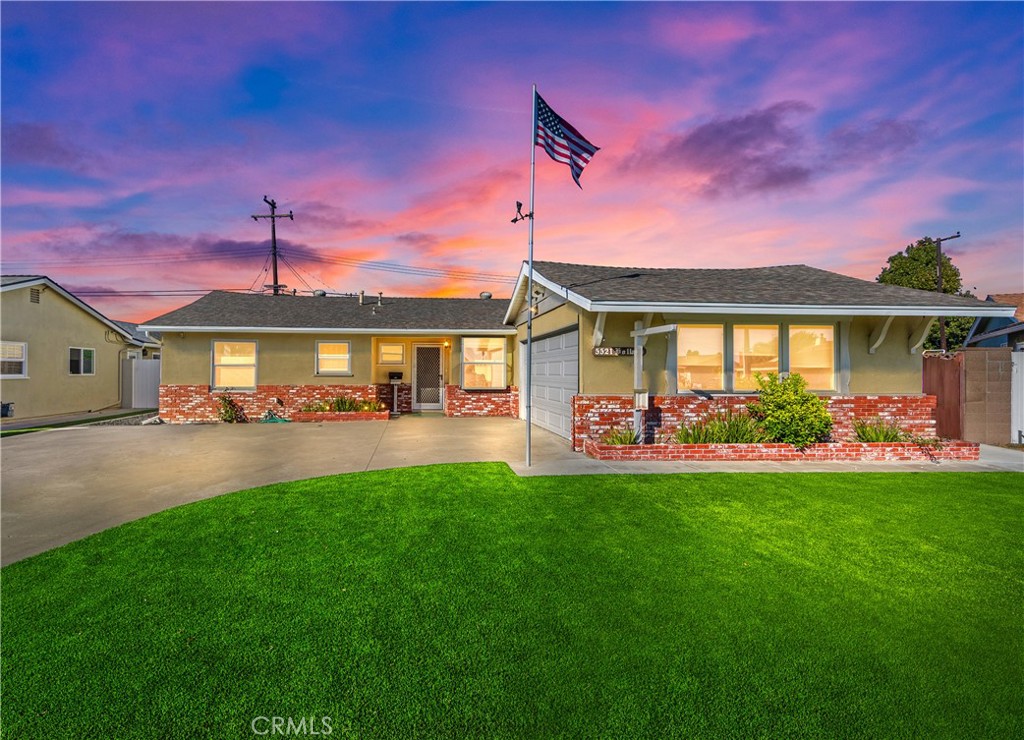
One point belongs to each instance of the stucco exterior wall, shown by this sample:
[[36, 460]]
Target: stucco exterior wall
[[290, 359], [891, 369], [50, 328]]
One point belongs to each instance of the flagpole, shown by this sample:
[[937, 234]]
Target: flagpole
[[529, 289]]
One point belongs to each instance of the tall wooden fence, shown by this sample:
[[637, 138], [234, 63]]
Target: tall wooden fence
[[944, 379], [974, 394]]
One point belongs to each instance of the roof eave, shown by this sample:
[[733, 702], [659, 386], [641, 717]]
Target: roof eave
[[794, 309], [326, 330]]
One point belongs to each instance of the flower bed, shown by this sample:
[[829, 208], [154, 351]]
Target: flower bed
[[302, 416], [826, 451]]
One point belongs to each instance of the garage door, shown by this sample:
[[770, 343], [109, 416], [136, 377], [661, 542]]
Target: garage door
[[556, 367]]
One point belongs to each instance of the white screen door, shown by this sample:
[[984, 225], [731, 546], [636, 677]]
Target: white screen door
[[427, 381]]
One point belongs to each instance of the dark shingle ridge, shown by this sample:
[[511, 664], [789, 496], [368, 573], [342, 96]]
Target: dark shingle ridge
[[252, 310], [782, 285]]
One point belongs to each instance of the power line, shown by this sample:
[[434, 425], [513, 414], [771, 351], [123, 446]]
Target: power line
[[406, 269]]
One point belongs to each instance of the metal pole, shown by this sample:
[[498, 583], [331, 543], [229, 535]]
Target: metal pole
[[529, 288]]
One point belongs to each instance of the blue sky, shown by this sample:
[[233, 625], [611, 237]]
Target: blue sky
[[139, 138]]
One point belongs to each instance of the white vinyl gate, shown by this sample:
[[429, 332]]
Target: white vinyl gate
[[1017, 398], [556, 366], [140, 384]]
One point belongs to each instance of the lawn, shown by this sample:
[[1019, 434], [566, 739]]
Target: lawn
[[461, 601]]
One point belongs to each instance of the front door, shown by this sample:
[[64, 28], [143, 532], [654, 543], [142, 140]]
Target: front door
[[427, 379]]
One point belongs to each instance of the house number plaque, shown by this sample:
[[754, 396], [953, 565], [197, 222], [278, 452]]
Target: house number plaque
[[615, 351]]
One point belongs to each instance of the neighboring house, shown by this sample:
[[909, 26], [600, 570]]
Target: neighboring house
[[280, 353], [148, 342], [706, 333], [58, 355], [999, 331]]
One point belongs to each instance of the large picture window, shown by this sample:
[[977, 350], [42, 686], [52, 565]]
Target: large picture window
[[333, 358], [13, 360], [234, 364], [700, 364], [81, 361], [755, 349], [812, 354], [483, 363]]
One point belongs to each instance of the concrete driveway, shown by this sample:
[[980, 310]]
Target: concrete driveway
[[60, 485]]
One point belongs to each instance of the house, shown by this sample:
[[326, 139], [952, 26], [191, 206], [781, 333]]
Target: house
[[59, 355], [282, 352], [701, 335], [999, 331]]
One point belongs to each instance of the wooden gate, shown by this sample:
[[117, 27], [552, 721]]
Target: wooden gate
[[944, 379]]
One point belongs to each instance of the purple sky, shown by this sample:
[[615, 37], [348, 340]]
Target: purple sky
[[139, 138]]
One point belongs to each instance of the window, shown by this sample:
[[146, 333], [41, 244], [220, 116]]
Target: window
[[234, 364], [812, 354], [13, 360], [391, 353], [333, 358], [755, 349], [483, 363], [82, 361], [701, 356]]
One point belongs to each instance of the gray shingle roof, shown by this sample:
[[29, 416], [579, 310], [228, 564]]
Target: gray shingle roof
[[785, 285], [222, 309]]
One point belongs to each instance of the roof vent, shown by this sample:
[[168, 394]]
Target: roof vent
[[485, 295], [319, 293], [361, 293], [380, 298]]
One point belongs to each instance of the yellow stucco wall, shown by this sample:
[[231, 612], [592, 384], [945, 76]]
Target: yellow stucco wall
[[51, 327], [891, 369], [290, 359]]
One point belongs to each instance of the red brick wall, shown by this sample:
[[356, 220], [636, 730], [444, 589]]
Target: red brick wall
[[196, 403], [459, 402], [593, 416], [829, 451], [321, 416]]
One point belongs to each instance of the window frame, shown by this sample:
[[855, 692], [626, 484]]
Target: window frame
[[380, 353], [728, 369], [81, 361], [23, 360], [254, 366], [724, 366], [502, 363], [333, 373], [781, 352]]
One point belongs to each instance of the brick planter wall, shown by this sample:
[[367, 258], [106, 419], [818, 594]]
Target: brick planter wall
[[341, 416], [459, 402], [593, 416], [197, 404], [829, 451]]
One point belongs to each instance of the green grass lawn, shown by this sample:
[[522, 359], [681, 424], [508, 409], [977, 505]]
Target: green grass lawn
[[461, 601]]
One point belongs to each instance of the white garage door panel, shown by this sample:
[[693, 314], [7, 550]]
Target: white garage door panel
[[555, 382]]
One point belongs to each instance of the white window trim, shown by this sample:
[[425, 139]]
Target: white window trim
[[24, 362], [255, 366], [81, 361], [727, 351], [334, 373], [503, 364], [380, 353]]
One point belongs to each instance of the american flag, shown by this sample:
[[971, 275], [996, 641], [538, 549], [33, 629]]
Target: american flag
[[561, 141]]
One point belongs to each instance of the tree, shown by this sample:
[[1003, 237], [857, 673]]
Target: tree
[[914, 267]]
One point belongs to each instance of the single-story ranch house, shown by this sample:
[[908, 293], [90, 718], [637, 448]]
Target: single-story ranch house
[[703, 333]]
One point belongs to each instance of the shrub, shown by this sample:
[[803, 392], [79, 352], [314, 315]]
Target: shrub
[[878, 430], [723, 429], [229, 410], [371, 405], [344, 403], [788, 412], [621, 437], [316, 406]]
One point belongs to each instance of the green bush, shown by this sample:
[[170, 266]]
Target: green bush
[[371, 405], [344, 403], [788, 412], [878, 430], [229, 411], [726, 428], [620, 437], [316, 406]]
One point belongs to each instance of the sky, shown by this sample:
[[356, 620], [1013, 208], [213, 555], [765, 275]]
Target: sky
[[139, 139]]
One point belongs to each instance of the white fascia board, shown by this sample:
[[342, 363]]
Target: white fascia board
[[560, 290], [71, 297], [792, 310], [326, 330]]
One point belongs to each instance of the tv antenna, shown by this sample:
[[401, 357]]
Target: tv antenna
[[273, 216]]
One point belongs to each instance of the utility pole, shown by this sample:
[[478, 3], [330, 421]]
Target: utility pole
[[938, 284], [273, 238]]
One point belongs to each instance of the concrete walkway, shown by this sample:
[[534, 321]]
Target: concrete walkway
[[63, 484]]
